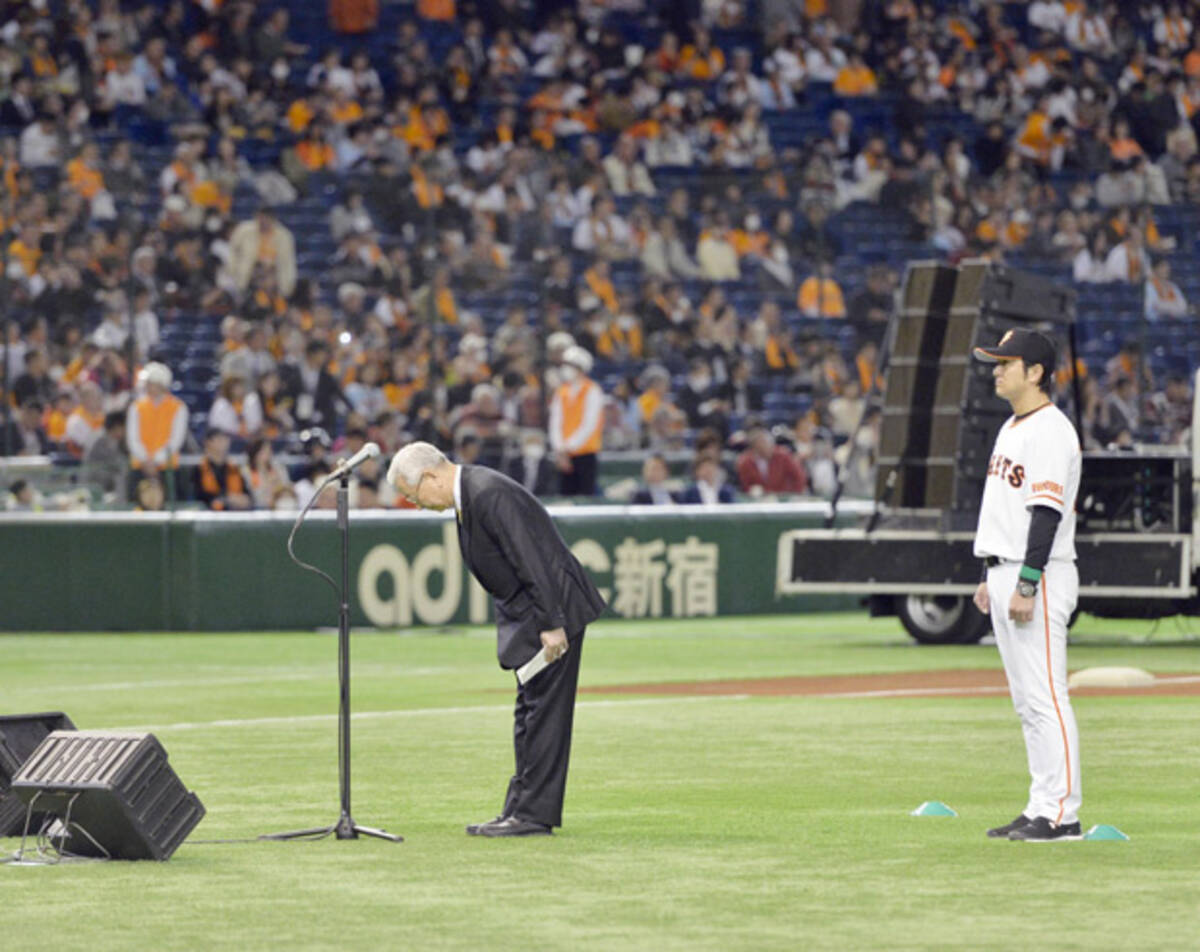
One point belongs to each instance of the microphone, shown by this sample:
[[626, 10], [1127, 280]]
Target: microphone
[[370, 451]]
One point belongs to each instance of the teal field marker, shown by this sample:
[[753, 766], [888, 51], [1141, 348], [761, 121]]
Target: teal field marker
[[933, 808], [1102, 831]]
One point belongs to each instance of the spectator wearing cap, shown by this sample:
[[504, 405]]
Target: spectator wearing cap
[[577, 424], [217, 482], [263, 242], [765, 467], [156, 425]]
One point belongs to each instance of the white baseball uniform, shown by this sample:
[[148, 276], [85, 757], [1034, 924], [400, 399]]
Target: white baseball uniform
[[1036, 462]]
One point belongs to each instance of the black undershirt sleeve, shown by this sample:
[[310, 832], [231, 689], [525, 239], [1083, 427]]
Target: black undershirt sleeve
[[1043, 523]]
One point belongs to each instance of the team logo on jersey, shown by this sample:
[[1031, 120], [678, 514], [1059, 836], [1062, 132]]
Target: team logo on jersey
[[1006, 469]]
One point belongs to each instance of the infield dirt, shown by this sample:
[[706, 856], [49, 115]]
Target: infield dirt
[[952, 683]]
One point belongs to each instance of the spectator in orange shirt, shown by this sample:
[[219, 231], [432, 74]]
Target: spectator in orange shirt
[[856, 78], [1191, 62], [442, 10], [701, 60], [1122, 145], [820, 295], [353, 16], [83, 172]]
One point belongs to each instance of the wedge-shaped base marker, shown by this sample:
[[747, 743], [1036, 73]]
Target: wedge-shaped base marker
[[1102, 831], [933, 808]]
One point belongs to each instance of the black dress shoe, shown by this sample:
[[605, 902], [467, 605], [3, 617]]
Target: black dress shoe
[[1001, 832], [473, 829], [513, 826]]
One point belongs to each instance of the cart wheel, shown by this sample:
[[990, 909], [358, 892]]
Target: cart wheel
[[942, 619]]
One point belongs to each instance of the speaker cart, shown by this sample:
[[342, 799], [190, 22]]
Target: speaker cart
[[1137, 534]]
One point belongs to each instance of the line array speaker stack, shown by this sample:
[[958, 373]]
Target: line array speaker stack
[[20, 735], [114, 794], [941, 414]]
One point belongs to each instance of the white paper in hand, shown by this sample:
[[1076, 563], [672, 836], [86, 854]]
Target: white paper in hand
[[532, 667]]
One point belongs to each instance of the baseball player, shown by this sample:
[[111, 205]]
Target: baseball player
[[1026, 537]]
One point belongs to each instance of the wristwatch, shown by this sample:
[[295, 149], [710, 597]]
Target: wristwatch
[[1026, 588]]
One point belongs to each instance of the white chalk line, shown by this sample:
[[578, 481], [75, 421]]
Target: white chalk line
[[413, 712], [987, 689], [218, 682], [623, 702]]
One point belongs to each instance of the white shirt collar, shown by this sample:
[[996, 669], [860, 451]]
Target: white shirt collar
[[458, 490]]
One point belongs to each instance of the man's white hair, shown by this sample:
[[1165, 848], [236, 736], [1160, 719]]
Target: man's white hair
[[414, 461]]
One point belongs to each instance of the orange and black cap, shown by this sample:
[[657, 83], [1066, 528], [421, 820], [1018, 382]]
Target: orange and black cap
[[1032, 347]]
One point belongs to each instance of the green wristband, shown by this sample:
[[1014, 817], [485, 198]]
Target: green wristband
[[1030, 575]]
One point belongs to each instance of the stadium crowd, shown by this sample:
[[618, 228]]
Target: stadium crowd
[[532, 234]]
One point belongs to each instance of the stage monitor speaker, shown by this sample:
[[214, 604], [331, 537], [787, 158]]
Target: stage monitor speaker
[[114, 794], [19, 736], [941, 413]]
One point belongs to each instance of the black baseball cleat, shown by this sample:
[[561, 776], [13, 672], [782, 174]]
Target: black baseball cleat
[[1001, 832], [1041, 830]]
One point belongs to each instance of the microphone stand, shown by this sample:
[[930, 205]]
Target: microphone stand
[[345, 828]]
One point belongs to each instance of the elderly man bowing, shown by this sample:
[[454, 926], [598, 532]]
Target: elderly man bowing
[[544, 601]]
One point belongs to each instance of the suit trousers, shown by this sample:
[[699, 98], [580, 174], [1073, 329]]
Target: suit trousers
[[1035, 661], [542, 720], [581, 481]]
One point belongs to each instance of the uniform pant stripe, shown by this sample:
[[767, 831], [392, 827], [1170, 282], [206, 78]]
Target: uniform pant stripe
[[1054, 697]]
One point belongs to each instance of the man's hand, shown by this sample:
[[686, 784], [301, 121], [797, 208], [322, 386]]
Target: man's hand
[[563, 461], [555, 643], [1020, 609], [981, 598]]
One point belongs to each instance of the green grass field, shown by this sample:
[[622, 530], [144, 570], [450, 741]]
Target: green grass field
[[691, 823]]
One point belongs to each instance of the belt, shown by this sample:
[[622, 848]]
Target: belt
[[991, 561]]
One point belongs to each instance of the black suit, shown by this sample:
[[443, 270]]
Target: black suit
[[513, 548]]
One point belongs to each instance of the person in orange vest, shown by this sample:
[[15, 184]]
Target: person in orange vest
[[576, 424], [156, 426]]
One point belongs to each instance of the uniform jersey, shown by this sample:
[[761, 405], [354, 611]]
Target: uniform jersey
[[1035, 462]]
